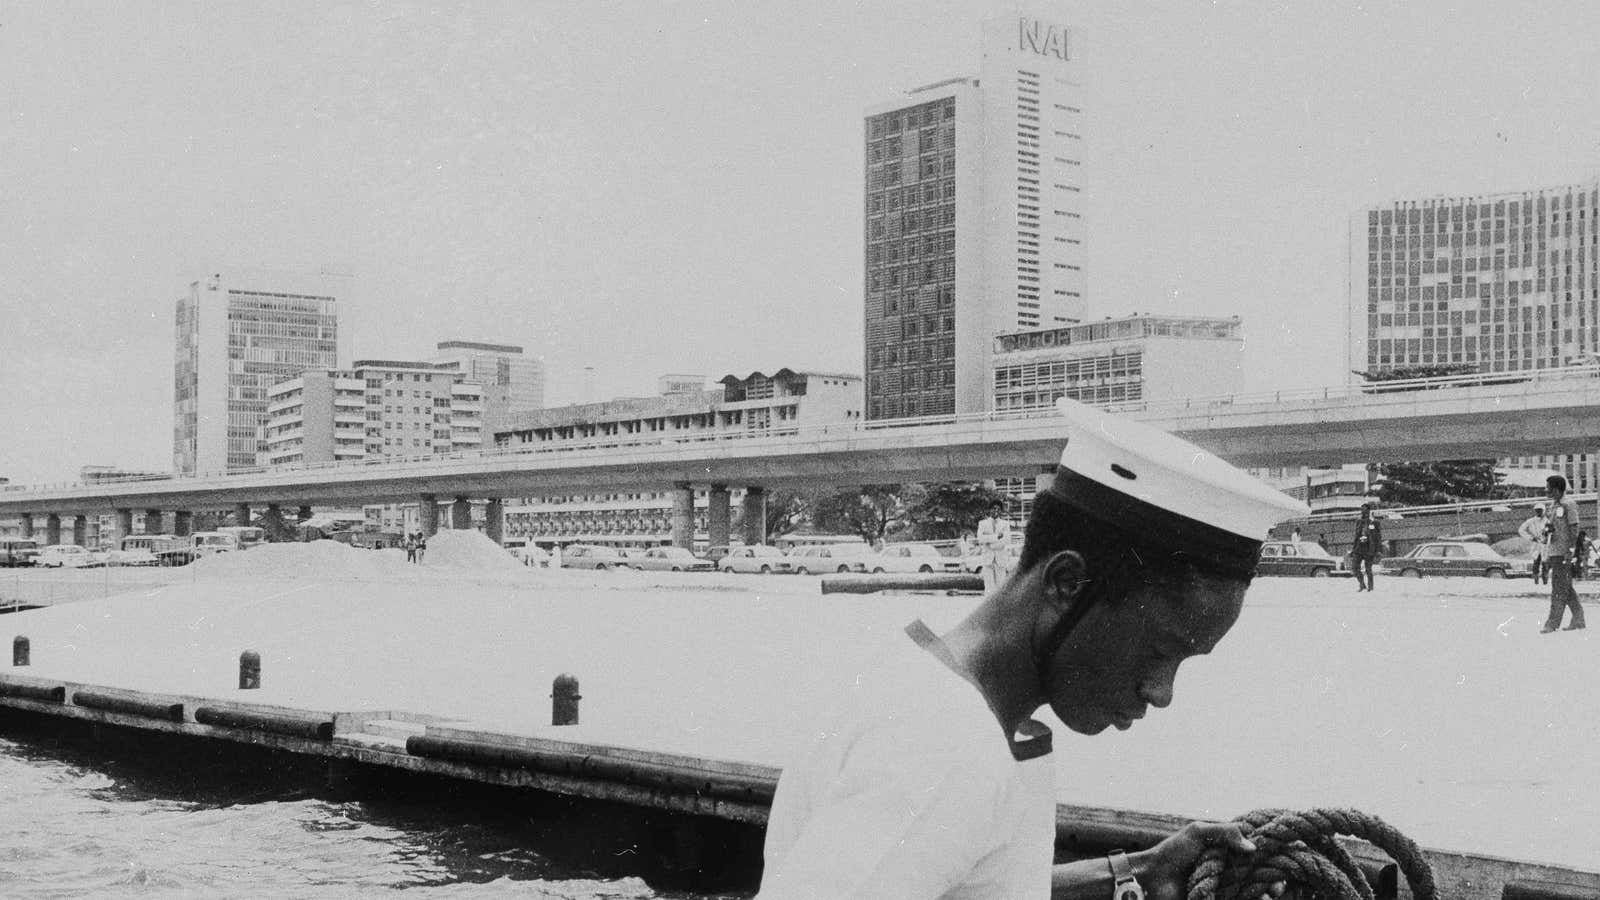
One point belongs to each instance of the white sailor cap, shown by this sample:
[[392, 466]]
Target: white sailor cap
[[1165, 490]]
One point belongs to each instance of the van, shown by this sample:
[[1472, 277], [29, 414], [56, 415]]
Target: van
[[18, 551]]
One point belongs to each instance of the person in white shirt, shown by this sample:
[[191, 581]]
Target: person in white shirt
[[994, 538], [930, 778], [1533, 530]]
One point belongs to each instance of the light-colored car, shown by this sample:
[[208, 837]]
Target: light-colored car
[[594, 556], [68, 556], [909, 558], [18, 551], [821, 558], [527, 554], [978, 557], [1304, 558], [670, 559], [755, 559], [1453, 558]]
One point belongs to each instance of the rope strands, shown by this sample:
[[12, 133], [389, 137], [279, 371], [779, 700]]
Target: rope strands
[[1300, 849]]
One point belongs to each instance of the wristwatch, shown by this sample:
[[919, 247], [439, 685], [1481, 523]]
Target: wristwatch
[[1124, 885]]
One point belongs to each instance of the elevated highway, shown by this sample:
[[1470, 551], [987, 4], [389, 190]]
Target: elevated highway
[[1553, 411]]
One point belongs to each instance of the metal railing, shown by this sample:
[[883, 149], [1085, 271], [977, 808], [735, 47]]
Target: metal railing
[[1400, 389]]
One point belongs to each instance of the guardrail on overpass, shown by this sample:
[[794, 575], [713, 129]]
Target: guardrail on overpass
[[1495, 414]]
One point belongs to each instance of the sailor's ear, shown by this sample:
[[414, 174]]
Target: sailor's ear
[[1065, 577]]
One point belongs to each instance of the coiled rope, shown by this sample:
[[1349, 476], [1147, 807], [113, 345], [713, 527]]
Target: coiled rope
[[1300, 849]]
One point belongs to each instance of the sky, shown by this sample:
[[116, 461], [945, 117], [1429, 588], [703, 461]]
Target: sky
[[637, 188]]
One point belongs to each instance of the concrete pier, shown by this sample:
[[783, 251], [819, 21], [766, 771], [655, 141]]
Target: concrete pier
[[80, 530], [754, 515], [152, 521], [494, 520], [717, 515], [52, 529], [461, 514], [428, 515], [682, 520]]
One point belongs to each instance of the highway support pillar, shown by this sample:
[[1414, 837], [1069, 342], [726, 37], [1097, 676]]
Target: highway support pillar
[[461, 514], [681, 522], [80, 530], [753, 515], [717, 515], [183, 523], [27, 525], [494, 520], [428, 515], [122, 527], [52, 529], [241, 514], [152, 521]]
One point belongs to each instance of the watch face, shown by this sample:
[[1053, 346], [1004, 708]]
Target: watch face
[[1130, 891]]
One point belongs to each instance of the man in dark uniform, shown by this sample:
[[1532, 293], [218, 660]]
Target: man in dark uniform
[[1366, 549], [1561, 520]]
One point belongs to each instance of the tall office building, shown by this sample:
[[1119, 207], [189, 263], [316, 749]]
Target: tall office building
[[1503, 282], [974, 218], [375, 410], [240, 331], [513, 384]]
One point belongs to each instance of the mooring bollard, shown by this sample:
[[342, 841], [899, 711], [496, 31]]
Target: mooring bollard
[[249, 670], [19, 652], [564, 699]]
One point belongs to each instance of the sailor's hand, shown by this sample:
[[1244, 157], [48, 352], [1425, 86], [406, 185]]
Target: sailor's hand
[[1164, 869]]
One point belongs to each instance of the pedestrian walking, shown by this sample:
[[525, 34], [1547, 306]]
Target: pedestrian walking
[[930, 778], [422, 546], [1366, 548], [1580, 555], [411, 549], [1533, 530], [1561, 521]]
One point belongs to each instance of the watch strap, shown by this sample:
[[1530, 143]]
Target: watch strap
[[1124, 886]]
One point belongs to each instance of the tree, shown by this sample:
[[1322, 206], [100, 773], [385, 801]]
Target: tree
[[949, 510], [788, 510], [1429, 483], [871, 511]]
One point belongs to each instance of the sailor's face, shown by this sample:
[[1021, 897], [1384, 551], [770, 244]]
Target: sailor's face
[[1123, 657]]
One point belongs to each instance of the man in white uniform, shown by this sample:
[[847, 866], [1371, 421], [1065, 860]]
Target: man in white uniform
[[994, 536], [931, 780]]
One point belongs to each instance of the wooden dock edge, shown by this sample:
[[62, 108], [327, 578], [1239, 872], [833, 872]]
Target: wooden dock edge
[[721, 789]]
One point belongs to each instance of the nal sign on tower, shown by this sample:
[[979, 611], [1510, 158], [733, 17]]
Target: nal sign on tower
[[974, 219]]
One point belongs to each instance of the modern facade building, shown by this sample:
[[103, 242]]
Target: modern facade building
[[378, 409], [1118, 361], [1113, 361], [755, 402], [973, 196], [512, 383], [240, 331], [1503, 282]]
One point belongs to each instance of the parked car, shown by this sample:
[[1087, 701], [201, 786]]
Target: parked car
[[1303, 558], [18, 551], [1453, 558], [671, 559], [818, 558], [594, 556], [526, 553], [906, 558], [68, 556], [757, 559], [977, 557]]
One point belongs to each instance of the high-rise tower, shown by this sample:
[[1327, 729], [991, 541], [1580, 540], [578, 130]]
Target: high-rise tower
[[239, 331], [974, 218]]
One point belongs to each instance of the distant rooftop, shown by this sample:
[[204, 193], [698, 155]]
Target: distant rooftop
[[475, 345]]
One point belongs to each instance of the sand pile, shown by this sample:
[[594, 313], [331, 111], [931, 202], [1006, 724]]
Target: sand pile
[[470, 550], [321, 560]]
